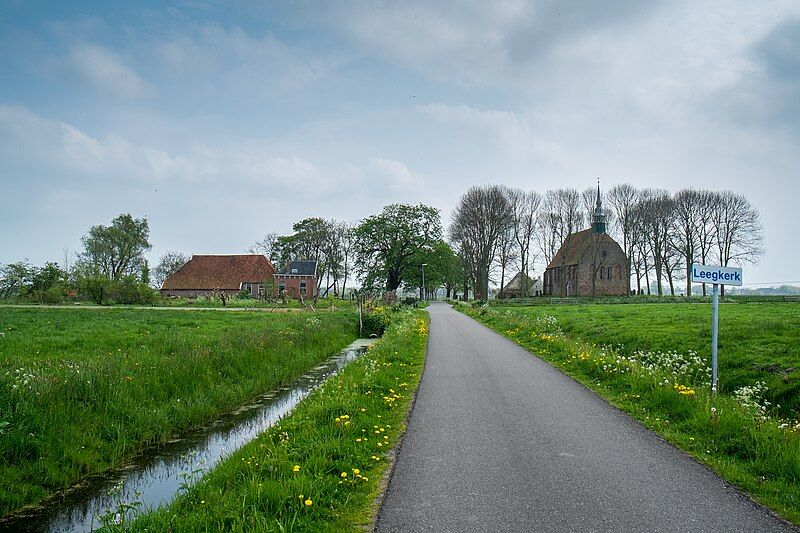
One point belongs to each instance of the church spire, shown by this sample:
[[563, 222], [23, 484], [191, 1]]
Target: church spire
[[599, 221]]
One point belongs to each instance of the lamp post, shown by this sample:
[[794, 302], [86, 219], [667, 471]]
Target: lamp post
[[422, 288]]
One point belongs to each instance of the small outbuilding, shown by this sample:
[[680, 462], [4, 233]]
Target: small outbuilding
[[521, 286], [206, 275]]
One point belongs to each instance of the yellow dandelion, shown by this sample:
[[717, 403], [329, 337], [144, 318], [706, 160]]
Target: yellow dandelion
[[309, 503], [296, 468]]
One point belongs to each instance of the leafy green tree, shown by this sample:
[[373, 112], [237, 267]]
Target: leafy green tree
[[389, 245], [118, 249], [93, 283], [441, 264], [48, 284], [13, 277]]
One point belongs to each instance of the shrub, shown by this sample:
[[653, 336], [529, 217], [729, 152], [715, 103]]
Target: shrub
[[55, 295], [376, 320]]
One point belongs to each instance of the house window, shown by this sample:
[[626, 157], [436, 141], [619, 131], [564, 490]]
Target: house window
[[294, 271], [303, 287], [247, 287], [281, 287]]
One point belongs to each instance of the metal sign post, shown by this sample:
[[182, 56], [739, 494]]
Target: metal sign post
[[718, 276], [714, 335]]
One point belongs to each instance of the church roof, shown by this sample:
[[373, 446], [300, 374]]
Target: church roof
[[575, 245]]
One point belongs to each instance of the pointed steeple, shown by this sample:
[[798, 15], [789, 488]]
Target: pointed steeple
[[599, 221]]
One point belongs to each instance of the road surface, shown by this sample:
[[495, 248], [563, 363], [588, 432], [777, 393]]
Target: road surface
[[501, 441]]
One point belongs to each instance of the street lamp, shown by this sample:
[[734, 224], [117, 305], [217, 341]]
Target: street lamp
[[422, 289]]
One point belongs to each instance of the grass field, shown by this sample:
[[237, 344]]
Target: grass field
[[640, 358], [757, 341], [321, 468], [82, 390]]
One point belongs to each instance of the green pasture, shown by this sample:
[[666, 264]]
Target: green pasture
[[757, 341], [82, 390]]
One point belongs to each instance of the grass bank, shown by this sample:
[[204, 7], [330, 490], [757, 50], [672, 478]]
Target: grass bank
[[321, 468], [83, 390], [739, 436]]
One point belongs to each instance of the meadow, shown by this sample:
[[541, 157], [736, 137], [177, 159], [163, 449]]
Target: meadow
[[757, 341], [324, 466], [82, 390], [652, 361]]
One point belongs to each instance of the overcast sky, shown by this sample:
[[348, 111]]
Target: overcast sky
[[221, 123]]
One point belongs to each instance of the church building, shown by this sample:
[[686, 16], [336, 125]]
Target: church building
[[589, 263]]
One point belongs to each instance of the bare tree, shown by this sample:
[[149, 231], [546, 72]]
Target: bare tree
[[739, 235], [560, 216], [479, 220], [685, 231], [622, 199], [266, 246], [506, 252], [525, 206], [347, 242], [706, 206], [656, 214], [547, 233], [169, 263]]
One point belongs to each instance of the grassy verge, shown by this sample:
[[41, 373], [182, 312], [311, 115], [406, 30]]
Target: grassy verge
[[83, 390], [321, 468], [669, 393]]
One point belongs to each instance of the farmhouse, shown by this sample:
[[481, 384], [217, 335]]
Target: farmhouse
[[589, 263], [298, 278], [522, 286], [214, 274]]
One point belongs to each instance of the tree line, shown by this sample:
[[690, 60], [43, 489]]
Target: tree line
[[495, 231], [497, 228]]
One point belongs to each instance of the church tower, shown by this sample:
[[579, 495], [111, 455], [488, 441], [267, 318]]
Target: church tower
[[599, 221]]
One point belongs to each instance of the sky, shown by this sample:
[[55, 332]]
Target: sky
[[221, 122]]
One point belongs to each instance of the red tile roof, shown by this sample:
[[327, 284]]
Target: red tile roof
[[209, 272], [575, 245]]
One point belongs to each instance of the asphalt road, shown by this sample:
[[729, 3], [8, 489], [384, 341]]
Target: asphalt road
[[501, 441]]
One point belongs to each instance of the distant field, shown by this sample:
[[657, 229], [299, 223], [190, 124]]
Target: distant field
[[757, 341], [83, 389]]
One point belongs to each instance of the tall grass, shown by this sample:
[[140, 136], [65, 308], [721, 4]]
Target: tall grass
[[82, 390]]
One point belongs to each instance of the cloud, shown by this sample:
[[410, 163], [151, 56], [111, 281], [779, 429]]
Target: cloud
[[30, 138], [481, 43], [238, 61], [513, 134], [397, 175], [106, 71], [776, 54]]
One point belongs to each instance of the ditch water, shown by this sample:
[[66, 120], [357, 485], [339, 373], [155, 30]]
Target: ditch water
[[154, 480]]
